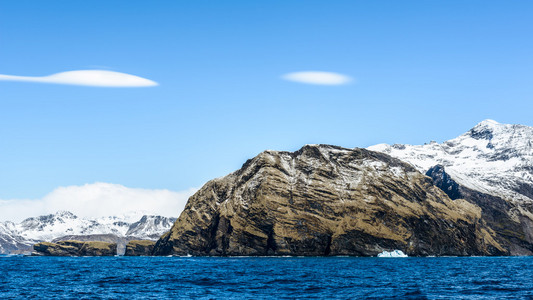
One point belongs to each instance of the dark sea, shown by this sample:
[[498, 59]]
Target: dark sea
[[266, 278]]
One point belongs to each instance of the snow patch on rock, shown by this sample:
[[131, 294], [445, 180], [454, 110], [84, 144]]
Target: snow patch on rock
[[492, 158]]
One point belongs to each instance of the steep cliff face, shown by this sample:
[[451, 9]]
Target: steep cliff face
[[139, 248], [491, 165], [327, 200], [513, 227]]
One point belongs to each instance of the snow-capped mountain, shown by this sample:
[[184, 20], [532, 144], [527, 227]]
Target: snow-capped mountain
[[150, 227], [490, 166], [10, 240], [23, 235], [491, 158]]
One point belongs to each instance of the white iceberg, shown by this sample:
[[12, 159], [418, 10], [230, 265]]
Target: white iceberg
[[394, 253]]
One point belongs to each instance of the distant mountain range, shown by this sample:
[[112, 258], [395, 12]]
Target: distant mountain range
[[19, 237]]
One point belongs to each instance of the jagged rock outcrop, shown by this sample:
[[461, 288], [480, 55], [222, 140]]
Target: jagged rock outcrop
[[491, 165], [139, 248], [74, 248], [327, 200], [150, 227], [492, 158], [513, 231]]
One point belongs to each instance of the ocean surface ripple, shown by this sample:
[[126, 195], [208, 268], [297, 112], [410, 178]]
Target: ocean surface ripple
[[266, 278]]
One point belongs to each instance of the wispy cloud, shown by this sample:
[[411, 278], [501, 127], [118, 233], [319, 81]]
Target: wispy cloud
[[99, 78], [318, 77], [98, 200]]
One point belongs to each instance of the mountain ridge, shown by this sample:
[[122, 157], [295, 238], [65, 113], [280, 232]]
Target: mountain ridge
[[326, 200], [64, 224], [491, 157], [490, 165], [479, 183]]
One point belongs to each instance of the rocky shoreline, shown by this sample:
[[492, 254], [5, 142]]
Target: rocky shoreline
[[75, 248], [325, 200]]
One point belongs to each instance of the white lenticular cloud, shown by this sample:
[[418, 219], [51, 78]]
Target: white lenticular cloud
[[98, 200], [99, 78], [318, 77]]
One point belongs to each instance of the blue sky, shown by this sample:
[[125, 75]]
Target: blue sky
[[423, 70]]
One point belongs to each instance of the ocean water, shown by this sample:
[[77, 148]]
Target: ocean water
[[266, 278]]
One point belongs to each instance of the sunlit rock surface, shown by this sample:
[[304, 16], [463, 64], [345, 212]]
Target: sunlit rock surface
[[327, 200]]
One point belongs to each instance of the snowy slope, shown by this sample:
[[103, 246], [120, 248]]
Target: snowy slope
[[47, 228], [9, 238], [150, 227], [491, 158]]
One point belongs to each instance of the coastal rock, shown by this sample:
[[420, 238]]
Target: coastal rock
[[75, 248], [121, 241], [512, 225], [491, 166], [327, 200], [139, 248]]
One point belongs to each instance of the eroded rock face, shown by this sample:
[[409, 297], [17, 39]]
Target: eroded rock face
[[75, 248], [510, 221], [490, 166], [139, 248], [327, 200]]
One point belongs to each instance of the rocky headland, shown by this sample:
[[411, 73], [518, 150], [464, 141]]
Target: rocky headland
[[139, 248], [328, 200], [75, 248], [472, 195]]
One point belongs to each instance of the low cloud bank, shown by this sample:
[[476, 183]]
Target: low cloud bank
[[98, 200]]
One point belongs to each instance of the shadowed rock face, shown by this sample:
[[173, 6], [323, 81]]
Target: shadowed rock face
[[490, 166], [139, 248], [75, 248], [326, 200], [511, 222]]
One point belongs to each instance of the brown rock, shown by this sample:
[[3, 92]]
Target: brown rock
[[326, 200], [75, 248], [139, 248], [121, 241], [510, 220]]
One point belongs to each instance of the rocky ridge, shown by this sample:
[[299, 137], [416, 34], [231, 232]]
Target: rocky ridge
[[491, 158], [491, 166], [327, 200]]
